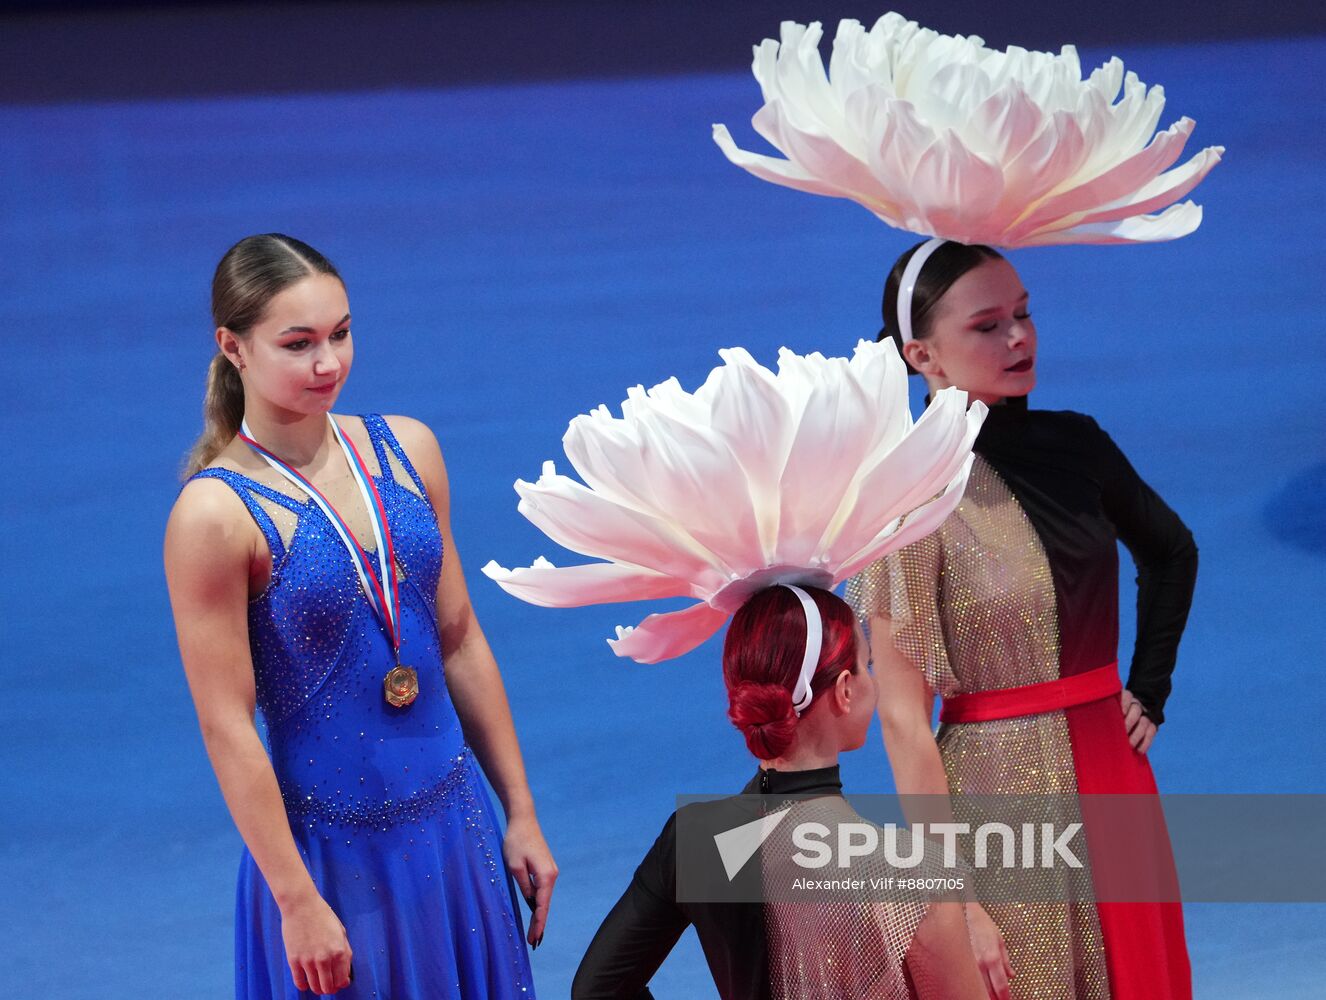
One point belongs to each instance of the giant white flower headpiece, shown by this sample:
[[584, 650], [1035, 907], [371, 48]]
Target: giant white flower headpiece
[[944, 137], [757, 478]]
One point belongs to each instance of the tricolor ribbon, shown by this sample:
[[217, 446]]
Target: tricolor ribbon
[[385, 603]]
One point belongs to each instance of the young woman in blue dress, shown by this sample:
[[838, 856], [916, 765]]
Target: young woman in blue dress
[[313, 575]]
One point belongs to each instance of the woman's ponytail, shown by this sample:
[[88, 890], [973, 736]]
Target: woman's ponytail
[[223, 411]]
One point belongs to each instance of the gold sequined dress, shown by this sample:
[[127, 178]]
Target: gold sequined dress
[[1020, 587]]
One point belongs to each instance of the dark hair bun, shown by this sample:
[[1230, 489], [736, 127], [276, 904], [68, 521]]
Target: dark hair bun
[[765, 716]]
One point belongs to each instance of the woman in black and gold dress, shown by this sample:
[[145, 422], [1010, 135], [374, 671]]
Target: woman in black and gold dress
[[1009, 614]]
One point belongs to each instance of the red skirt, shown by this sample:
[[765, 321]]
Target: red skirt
[[1132, 866]]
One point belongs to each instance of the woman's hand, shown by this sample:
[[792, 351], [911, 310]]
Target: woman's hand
[[476, 689], [316, 945], [1141, 730], [531, 864], [987, 944]]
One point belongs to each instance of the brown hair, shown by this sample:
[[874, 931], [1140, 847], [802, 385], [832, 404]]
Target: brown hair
[[944, 267], [249, 276]]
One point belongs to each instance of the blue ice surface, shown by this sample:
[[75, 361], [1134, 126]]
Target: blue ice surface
[[516, 255]]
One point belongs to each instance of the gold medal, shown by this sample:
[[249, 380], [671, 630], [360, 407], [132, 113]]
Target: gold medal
[[401, 686]]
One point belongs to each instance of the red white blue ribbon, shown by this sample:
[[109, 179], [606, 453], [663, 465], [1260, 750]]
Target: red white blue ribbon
[[385, 601]]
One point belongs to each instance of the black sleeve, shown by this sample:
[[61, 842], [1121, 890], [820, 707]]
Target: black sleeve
[[639, 932], [1166, 557]]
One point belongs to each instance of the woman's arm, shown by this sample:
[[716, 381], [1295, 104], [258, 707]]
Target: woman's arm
[[1166, 556], [476, 689], [940, 960], [905, 706], [209, 549], [638, 933]]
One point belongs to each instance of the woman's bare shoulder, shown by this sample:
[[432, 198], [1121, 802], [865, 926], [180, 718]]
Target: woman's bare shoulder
[[208, 507], [418, 440], [411, 429], [425, 454]]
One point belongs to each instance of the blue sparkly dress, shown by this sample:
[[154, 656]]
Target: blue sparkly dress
[[387, 805]]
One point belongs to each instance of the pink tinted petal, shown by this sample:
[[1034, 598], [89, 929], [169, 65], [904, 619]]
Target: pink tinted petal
[[685, 464], [1173, 223], [832, 439], [916, 525], [769, 168], [1160, 193], [575, 586], [661, 637], [578, 519], [1011, 119], [818, 154], [1048, 161], [922, 465], [1120, 180], [957, 188]]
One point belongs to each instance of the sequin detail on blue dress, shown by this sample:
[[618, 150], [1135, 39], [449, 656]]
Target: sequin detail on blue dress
[[387, 805]]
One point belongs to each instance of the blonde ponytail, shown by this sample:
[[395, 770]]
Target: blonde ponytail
[[223, 410]]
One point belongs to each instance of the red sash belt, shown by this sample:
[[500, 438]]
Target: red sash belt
[[1032, 699]]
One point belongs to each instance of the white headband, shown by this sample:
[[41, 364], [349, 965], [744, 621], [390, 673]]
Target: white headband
[[802, 695], [908, 285]]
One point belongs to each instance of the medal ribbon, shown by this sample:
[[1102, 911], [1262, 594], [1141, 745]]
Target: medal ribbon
[[386, 603]]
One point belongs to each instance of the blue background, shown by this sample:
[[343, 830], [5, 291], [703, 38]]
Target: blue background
[[517, 254]]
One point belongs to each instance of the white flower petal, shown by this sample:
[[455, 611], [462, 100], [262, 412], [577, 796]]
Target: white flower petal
[[771, 168], [575, 586], [833, 438], [662, 637], [586, 522], [1173, 223], [689, 469], [916, 525], [1159, 192], [1008, 119], [943, 136], [1120, 181], [753, 479], [1049, 163], [956, 186], [754, 410], [919, 468], [818, 154]]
